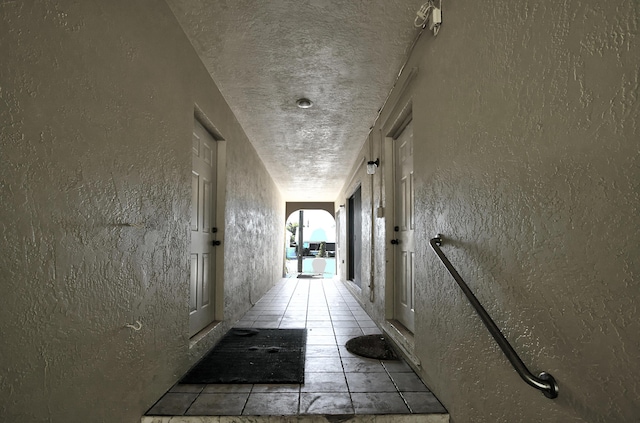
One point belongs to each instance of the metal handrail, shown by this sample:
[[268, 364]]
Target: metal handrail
[[544, 382]]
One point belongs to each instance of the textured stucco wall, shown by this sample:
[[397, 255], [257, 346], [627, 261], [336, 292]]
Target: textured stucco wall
[[293, 48], [527, 160], [96, 108]]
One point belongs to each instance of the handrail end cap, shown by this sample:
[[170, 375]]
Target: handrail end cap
[[552, 392]]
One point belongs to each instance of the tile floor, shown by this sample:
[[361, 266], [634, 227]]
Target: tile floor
[[336, 381]]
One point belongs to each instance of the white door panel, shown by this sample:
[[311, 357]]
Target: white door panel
[[203, 195], [404, 221]]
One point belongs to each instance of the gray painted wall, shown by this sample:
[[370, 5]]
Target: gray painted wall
[[526, 142], [96, 107]]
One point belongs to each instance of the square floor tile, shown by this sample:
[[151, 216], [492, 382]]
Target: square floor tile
[[172, 404], [296, 309], [370, 382], [314, 317], [343, 339], [379, 403], [272, 404], [325, 403], [317, 308], [322, 351], [324, 382], [321, 340], [291, 324], [397, 366], [423, 402], [339, 331], [320, 332], [362, 365], [230, 388], [408, 382], [260, 324], [349, 318], [345, 324], [269, 317], [319, 324], [294, 316], [341, 312], [218, 405], [322, 364], [344, 353], [188, 388], [266, 388]]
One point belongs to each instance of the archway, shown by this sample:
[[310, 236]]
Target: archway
[[310, 244]]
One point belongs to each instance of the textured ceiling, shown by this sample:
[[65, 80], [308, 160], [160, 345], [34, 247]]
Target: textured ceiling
[[264, 55]]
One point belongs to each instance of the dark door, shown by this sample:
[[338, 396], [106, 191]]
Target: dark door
[[354, 228]]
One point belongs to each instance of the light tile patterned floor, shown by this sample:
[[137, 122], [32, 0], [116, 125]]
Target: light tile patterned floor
[[336, 381]]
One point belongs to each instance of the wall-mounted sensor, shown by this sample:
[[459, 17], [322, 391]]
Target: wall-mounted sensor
[[435, 20], [429, 15]]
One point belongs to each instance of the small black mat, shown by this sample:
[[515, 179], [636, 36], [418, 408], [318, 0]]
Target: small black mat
[[253, 356], [371, 346]]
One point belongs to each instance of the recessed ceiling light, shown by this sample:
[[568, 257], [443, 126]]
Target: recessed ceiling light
[[304, 103]]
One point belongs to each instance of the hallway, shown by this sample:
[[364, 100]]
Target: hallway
[[336, 381]]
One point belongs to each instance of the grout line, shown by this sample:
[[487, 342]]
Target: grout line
[[406, 403], [247, 400], [191, 405], [306, 346], [344, 372]]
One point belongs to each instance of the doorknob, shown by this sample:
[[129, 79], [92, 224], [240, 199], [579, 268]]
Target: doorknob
[[215, 243], [395, 241]]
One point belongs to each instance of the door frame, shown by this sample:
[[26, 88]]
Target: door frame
[[221, 183], [395, 121], [391, 270]]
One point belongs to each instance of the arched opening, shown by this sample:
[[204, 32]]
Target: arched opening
[[310, 244]]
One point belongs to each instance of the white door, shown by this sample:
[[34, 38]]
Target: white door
[[203, 196], [404, 226]]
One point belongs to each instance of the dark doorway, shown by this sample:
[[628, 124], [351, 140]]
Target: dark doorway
[[354, 228]]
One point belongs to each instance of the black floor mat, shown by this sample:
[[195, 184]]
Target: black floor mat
[[253, 356]]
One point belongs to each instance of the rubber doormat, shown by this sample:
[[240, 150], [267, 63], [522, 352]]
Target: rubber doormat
[[371, 346], [253, 356]]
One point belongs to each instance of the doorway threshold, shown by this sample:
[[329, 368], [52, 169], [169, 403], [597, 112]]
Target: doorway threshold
[[403, 338], [193, 341]]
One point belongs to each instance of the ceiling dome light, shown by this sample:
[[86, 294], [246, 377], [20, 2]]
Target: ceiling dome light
[[304, 103]]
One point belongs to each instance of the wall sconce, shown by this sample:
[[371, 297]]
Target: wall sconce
[[372, 165]]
